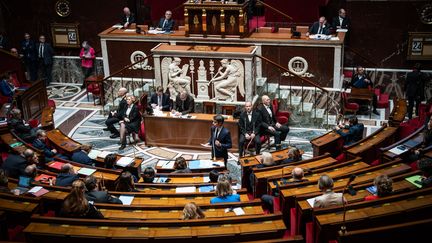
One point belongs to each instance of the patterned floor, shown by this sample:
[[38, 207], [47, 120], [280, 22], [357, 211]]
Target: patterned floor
[[78, 117]]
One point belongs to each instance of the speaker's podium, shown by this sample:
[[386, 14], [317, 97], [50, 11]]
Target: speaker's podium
[[216, 19]]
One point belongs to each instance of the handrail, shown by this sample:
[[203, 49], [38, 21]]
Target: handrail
[[361, 56], [287, 70], [127, 66], [275, 9]]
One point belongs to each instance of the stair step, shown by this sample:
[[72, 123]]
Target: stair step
[[307, 107], [319, 113], [272, 87], [295, 100]]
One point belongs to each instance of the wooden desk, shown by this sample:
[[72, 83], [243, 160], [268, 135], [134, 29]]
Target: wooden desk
[[362, 95], [18, 204], [32, 100], [330, 142], [185, 132], [398, 113], [411, 142], [59, 139], [47, 118], [19, 146], [368, 147]]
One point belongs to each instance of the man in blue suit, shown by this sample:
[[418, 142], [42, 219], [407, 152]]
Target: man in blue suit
[[28, 49], [166, 24], [355, 131], [160, 99], [220, 139], [81, 155]]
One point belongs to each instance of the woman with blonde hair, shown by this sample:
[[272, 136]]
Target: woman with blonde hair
[[224, 193], [130, 121], [192, 211], [76, 205]]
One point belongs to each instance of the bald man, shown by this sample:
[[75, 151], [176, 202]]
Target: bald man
[[66, 176], [114, 116], [15, 165], [269, 124], [128, 18], [249, 124]]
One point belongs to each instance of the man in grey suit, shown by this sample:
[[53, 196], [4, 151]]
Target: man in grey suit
[[45, 54]]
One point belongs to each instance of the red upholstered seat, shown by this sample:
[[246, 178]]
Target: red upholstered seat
[[33, 123], [51, 103], [348, 106], [383, 101], [281, 116]]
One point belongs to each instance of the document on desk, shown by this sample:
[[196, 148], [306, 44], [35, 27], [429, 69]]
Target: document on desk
[[208, 188], [126, 199], [311, 201], [86, 171], [206, 179], [117, 26], [124, 161], [168, 165], [415, 180], [94, 153], [104, 154], [238, 211], [185, 189], [129, 30], [155, 32], [398, 149]]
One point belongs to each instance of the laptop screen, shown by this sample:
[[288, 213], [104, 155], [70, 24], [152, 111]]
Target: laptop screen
[[24, 181]]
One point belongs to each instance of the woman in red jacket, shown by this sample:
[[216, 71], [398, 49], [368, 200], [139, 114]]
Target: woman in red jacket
[[87, 56]]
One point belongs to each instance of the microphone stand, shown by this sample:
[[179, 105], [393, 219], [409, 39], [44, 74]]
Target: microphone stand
[[343, 230]]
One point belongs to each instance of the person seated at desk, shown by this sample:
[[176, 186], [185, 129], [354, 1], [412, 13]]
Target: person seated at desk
[[76, 205], [294, 155], [41, 143], [181, 166], [192, 211], [148, 174], [361, 80], [341, 21], [384, 187], [319, 27], [81, 155], [130, 121], [4, 182], [249, 124], [14, 165], [184, 104], [128, 18], [113, 116], [66, 176], [329, 197], [22, 130], [7, 88], [269, 125], [266, 160], [220, 139], [224, 193], [110, 161], [425, 165], [125, 183], [167, 23], [160, 100], [93, 192], [355, 131]]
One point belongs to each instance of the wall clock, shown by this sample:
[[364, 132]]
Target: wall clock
[[425, 14], [62, 8]]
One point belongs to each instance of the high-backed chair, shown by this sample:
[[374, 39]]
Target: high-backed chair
[[209, 107], [302, 29], [228, 109], [284, 30], [281, 116], [348, 106]]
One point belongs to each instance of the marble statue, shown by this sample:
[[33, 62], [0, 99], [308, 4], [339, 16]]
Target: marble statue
[[177, 79], [229, 76]]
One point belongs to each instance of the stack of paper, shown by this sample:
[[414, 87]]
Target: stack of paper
[[160, 179], [124, 161], [185, 189], [126, 199], [311, 201], [168, 165], [103, 154], [398, 150], [94, 153], [86, 171], [156, 31], [38, 191], [208, 188]]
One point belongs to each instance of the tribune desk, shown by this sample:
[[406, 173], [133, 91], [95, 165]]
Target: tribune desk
[[187, 133]]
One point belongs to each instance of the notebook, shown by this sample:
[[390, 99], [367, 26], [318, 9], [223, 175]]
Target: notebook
[[124, 161], [86, 171], [44, 178], [372, 190], [38, 191], [104, 154], [94, 153], [56, 165], [23, 184]]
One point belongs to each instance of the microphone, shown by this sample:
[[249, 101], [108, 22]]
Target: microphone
[[343, 230]]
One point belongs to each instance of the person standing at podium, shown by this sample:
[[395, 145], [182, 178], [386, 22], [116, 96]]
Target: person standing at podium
[[87, 56], [128, 18], [220, 139], [167, 23]]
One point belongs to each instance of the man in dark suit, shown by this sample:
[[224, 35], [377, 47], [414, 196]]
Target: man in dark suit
[[361, 80], [28, 49], [93, 194], [414, 89], [128, 18], [23, 131], [66, 176], [113, 116], [81, 155], [160, 100], [355, 131], [40, 143], [166, 24], [15, 165], [269, 125], [341, 21], [319, 27], [249, 124], [184, 104], [220, 139], [45, 58]]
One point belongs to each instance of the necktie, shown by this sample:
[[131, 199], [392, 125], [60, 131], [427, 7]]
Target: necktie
[[159, 100], [183, 105], [163, 25], [41, 50], [320, 30]]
